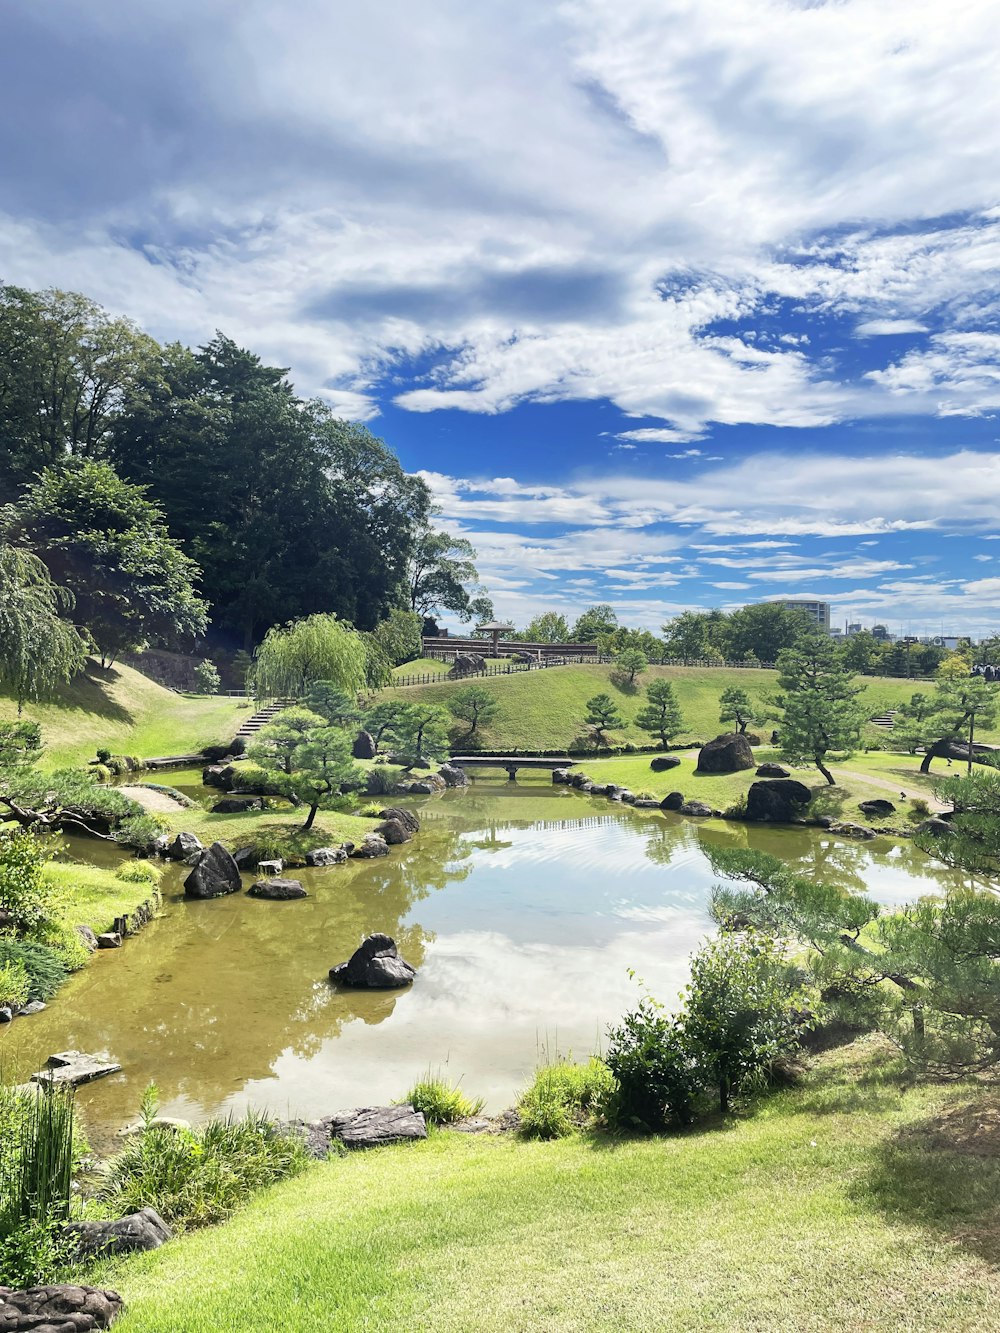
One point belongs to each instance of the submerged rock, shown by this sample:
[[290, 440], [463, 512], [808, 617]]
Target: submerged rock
[[371, 845], [376, 965]]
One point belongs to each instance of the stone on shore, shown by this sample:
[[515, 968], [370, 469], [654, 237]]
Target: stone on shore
[[183, 846], [326, 856], [371, 845], [371, 1126], [453, 775], [777, 801], [730, 753], [376, 965], [672, 801], [144, 1230], [59, 1308]]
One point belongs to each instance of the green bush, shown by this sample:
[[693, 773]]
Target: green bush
[[657, 1079], [381, 778], [196, 1177], [139, 872], [206, 678], [64, 942], [140, 832], [46, 970], [101, 773], [14, 985], [563, 1097], [441, 1102], [103, 756], [24, 894]]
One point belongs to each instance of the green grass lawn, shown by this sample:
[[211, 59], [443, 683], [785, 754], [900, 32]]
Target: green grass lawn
[[86, 895], [125, 712], [544, 710], [853, 1202]]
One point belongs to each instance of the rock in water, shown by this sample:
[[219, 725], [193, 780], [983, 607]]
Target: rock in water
[[726, 754], [408, 818], [183, 846], [144, 1230], [453, 775], [70, 1068], [372, 844], [672, 801], [277, 890], [375, 966], [777, 801], [371, 1126], [364, 746], [326, 856], [215, 874]]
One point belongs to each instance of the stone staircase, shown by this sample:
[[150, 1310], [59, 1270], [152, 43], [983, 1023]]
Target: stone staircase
[[253, 724], [885, 719]]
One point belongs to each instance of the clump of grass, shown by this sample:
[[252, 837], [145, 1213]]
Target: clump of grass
[[441, 1102], [196, 1177], [563, 1097], [14, 984], [372, 810], [44, 967], [37, 1156], [139, 872]]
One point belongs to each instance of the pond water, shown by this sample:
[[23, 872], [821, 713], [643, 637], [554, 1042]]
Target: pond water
[[523, 906]]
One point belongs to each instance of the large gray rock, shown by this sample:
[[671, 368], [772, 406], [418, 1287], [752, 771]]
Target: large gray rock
[[936, 827], [698, 808], [664, 761], [860, 832], [375, 966], [777, 801], [770, 770], [71, 1068], [467, 664], [144, 1230], [560, 776], [364, 746], [877, 808], [672, 801], [372, 1126], [183, 846], [454, 776], [86, 937], [726, 754], [326, 856], [60, 1308], [246, 858], [409, 819], [215, 874], [277, 890], [237, 805], [370, 846]]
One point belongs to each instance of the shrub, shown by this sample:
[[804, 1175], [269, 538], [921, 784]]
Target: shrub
[[140, 832], [24, 894], [37, 1155], [45, 969], [100, 773], [657, 1079], [441, 1102], [196, 1177], [14, 985], [103, 756], [563, 1096], [139, 872], [919, 807], [64, 942], [381, 779]]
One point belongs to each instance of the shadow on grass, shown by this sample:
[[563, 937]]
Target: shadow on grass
[[943, 1174], [89, 691]]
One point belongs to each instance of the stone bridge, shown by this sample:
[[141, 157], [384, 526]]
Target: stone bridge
[[511, 762]]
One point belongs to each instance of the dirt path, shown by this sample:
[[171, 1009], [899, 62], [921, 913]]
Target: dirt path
[[932, 802], [157, 802]]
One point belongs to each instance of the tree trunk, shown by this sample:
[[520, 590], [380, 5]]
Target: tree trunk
[[724, 1094], [823, 769], [311, 816], [935, 751], [972, 732]]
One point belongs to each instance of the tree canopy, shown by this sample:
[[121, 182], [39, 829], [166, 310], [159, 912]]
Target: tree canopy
[[317, 648], [819, 705]]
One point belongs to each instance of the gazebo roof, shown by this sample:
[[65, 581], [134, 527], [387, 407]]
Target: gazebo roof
[[493, 624]]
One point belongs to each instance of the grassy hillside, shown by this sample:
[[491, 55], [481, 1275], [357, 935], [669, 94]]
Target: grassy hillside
[[855, 1201], [125, 712], [544, 710]]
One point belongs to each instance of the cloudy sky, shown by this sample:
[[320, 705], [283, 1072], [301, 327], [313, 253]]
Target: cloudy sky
[[675, 302]]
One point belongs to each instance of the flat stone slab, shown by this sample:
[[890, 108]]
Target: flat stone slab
[[71, 1068], [371, 1126]]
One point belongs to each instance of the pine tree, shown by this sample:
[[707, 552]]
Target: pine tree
[[819, 700], [602, 715], [661, 714]]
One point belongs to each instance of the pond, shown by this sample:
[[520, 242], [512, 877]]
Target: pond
[[524, 907]]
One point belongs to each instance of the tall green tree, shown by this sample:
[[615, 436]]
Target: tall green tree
[[602, 715], [420, 731], [735, 705], [104, 541], [317, 648], [763, 631], [661, 713], [818, 700], [549, 627], [629, 663], [305, 759], [399, 636], [695, 635], [441, 576], [38, 648], [959, 703], [594, 622], [474, 704]]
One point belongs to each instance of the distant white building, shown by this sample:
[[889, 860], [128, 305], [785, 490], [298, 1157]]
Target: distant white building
[[819, 612]]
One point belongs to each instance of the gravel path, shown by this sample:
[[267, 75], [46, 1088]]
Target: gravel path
[[158, 802]]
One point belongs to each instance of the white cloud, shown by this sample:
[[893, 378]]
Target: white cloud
[[876, 328]]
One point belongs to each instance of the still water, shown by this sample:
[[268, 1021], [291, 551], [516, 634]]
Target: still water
[[524, 907]]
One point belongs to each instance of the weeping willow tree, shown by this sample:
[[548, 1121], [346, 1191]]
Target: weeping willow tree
[[38, 649], [317, 648]]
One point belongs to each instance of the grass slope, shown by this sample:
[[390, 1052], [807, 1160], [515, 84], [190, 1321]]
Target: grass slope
[[85, 895], [544, 710], [123, 711], [852, 1202]]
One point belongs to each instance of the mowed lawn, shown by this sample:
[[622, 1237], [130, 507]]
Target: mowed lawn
[[125, 712], [545, 710], [850, 1203]]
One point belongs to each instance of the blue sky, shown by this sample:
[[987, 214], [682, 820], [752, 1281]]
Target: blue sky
[[674, 302]]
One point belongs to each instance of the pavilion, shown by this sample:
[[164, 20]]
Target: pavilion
[[495, 628]]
